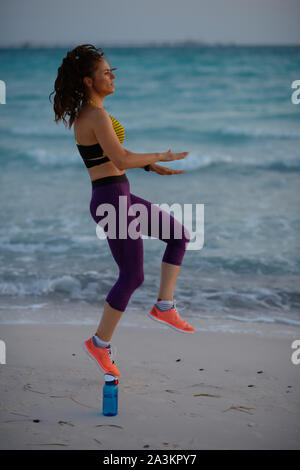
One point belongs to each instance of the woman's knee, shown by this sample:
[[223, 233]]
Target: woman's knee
[[183, 240], [133, 280], [138, 279]]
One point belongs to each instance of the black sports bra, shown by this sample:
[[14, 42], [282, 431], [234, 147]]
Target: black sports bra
[[95, 151]]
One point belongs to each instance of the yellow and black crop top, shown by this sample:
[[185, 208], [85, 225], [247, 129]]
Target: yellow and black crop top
[[93, 155]]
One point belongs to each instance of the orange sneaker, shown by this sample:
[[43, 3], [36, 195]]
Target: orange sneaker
[[171, 318], [102, 356]]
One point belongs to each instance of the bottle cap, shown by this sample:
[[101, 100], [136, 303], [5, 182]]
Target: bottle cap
[[109, 377]]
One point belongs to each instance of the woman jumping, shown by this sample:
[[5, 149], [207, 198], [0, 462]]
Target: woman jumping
[[84, 79]]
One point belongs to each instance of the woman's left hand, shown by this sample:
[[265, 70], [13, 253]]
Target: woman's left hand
[[162, 170]]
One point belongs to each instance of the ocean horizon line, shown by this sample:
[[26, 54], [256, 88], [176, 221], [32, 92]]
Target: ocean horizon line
[[167, 43]]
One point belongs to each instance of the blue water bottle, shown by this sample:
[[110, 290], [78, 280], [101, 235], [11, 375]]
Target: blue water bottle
[[110, 395]]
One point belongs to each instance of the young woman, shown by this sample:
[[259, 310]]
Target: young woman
[[84, 79]]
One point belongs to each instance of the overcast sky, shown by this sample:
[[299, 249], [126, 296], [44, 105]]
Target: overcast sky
[[64, 22]]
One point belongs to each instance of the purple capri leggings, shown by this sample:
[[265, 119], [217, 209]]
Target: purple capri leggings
[[127, 252]]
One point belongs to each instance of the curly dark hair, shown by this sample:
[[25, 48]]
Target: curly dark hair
[[69, 88]]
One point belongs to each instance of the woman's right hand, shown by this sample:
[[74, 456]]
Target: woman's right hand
[[169, 156]]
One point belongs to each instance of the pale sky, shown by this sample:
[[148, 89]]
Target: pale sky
[[120, 22]]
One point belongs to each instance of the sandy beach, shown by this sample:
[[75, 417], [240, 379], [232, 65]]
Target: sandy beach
[[234, 389]]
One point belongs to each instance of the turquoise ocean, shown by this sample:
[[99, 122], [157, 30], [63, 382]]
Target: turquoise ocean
[[231, 108]]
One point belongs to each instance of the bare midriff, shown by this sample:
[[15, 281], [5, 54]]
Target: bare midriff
[[105, 169]]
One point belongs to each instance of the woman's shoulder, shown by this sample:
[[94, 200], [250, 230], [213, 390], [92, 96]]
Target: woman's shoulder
[[89, 114]]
